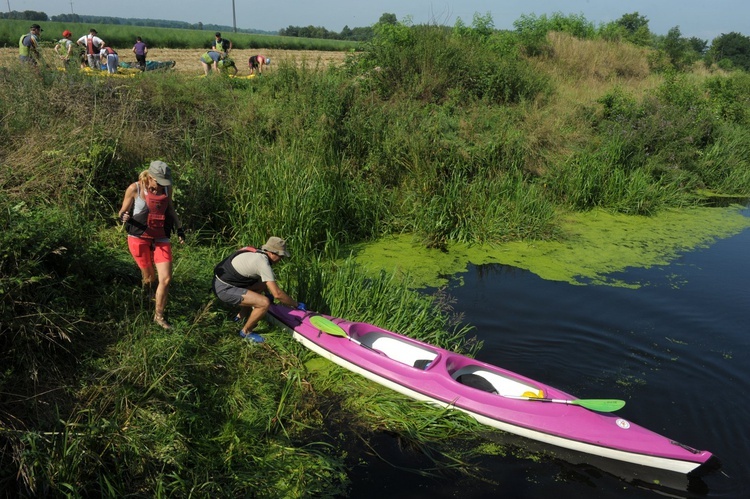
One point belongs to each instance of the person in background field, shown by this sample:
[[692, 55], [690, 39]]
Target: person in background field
[[65, 49], [257, 62], [221, 44], [227, 64], [93, 46], [210, 60], [110, 58], [149, 217], [244, 276], [28, 46], [140, 50]]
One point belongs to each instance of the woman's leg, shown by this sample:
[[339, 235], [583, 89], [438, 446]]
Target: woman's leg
[[140, 250], [164, 273], [148, 281]]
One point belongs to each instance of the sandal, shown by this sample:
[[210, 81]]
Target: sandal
[[160, 320]]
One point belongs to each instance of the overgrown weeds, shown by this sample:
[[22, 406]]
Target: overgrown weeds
[[452, 135]]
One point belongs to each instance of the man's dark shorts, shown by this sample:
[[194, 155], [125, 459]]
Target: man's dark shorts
[[228, 293]]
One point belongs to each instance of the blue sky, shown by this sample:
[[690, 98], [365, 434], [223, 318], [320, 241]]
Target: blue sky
[[704, 19]]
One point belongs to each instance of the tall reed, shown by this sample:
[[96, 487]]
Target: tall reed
[[428, 133]]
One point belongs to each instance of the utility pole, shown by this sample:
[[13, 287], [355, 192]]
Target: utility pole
[[71, 8], [9, 6], [234, 17]]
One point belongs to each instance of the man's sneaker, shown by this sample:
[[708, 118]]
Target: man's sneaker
[[253, 337]]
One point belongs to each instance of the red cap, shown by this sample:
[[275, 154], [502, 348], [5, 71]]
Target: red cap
[[67, 33]]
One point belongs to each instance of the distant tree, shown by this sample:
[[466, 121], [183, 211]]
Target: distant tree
[[387, 18], [289, 31], [67, 18], [29, 15], [636, 28], [676, 48], [355, 34], [362, 34], [697, 45], [633, 22], [731, 50]]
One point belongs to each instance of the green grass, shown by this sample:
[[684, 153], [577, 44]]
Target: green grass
[[422, 134]]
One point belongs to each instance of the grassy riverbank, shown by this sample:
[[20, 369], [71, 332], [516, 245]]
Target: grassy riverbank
[[451, 137]]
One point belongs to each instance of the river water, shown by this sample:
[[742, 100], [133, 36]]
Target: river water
[[675, 348]]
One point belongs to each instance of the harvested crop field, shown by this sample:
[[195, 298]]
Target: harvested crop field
[[187, 59]]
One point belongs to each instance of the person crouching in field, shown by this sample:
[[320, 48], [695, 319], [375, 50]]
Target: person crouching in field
[[257, 62], [210, 60], [149, 217], [244, 276], [110, 58], [226, 65]]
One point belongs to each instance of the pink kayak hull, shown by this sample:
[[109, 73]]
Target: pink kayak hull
[[389, 359]]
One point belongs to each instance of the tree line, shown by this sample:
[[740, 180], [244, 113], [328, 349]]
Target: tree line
[[32, 15], [729, 50], [350, 34]]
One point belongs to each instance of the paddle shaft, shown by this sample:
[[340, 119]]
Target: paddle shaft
[[600, 405]]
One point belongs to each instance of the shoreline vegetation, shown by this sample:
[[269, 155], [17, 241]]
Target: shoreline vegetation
[[448, 136]]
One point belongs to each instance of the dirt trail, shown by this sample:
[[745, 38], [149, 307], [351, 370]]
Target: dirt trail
[[187, 59]]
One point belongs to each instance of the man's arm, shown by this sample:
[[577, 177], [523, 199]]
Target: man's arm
[[280, 295]]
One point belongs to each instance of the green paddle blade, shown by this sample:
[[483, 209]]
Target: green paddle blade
[[600, 405], [327, 326]]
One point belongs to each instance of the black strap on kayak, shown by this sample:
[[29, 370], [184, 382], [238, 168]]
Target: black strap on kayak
[[476, 381]]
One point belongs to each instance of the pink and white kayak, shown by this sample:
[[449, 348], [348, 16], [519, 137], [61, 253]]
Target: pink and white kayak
[[493, 396]]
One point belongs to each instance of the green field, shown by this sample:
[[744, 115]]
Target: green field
[[439, 136], [124, 36]]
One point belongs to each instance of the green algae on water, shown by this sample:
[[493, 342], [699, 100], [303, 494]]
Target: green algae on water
[[594, 245]]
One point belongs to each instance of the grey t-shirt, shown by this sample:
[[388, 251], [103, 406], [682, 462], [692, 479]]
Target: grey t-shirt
[[255, 265]]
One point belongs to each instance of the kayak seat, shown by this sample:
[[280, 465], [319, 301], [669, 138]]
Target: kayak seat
[[476, 381], [491, 381], [394, 347]]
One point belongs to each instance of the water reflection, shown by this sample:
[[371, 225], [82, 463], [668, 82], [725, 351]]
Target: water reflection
[[592, 470]]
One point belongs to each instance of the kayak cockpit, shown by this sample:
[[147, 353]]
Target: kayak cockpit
[[481, 378], [395, 348]]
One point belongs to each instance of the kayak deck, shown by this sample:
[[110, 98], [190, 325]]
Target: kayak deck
[[404, 351]]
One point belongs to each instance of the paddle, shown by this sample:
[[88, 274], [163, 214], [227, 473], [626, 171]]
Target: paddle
[[333, 329], [599, 405]]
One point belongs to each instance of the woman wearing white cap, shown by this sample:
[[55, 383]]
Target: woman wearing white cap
[[257, 62], [243, 277], [149, 217]]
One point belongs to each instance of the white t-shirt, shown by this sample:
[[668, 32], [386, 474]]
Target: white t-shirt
[[255, 265], [98, 42]]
